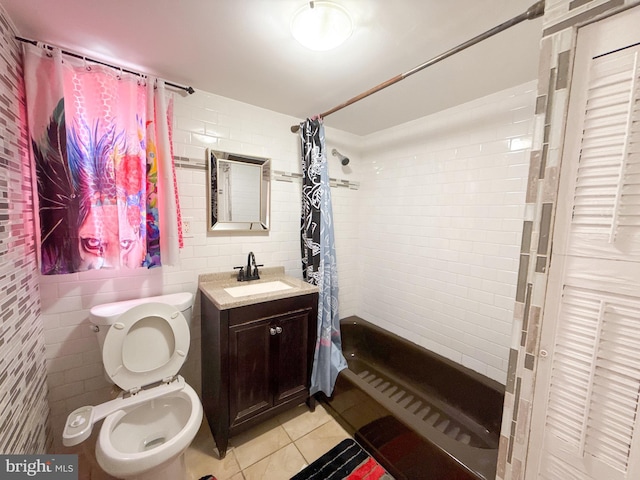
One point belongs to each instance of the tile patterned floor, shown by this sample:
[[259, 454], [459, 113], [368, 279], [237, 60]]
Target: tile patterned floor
[[274, 450]]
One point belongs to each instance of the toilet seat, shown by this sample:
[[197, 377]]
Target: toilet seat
[[148, 344]]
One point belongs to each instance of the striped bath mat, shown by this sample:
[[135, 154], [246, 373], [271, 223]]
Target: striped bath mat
[[347, 460]]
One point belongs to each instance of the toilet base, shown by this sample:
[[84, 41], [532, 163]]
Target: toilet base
[[175, 469]]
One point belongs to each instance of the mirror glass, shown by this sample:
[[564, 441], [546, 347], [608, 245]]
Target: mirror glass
[[238, 193]]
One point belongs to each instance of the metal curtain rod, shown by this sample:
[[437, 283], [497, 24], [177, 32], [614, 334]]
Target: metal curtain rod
[[534, 11], [189, 90]]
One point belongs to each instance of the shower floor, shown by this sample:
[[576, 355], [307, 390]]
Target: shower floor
[[423, 409]]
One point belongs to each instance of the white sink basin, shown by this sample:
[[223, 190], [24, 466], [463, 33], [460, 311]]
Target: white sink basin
[[257, 288]]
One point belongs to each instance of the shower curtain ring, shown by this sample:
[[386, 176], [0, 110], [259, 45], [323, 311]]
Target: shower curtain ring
[[45, 47]]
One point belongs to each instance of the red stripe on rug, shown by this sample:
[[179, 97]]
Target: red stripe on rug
[[369, 470]]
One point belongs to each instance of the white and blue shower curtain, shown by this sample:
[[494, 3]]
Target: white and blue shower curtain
[[319, 256]]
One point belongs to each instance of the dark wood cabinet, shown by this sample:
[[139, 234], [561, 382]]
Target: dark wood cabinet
[[256, 362]]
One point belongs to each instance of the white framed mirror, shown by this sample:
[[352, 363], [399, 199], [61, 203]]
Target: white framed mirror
[[238, 193]]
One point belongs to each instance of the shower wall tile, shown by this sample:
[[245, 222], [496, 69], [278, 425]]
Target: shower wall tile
[[441, 221], [24, 425], [556, 57]]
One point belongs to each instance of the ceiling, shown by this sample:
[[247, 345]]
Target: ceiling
[[242, 49]]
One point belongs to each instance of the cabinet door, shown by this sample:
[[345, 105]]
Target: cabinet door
[[249, 375], [290, 357]]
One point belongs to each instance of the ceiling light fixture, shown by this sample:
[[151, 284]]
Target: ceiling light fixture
[[321, 25]]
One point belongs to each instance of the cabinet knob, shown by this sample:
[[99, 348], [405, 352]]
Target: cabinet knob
[[275, 330]]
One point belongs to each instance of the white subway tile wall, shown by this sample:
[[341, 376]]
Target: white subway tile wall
[[24, 427], [440, 226]]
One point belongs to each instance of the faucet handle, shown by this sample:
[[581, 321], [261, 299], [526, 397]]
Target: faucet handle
[[240, 273]]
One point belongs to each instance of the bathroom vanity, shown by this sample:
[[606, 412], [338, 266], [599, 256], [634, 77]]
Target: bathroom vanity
[[258, 340]]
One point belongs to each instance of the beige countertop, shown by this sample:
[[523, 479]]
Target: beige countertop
[[213, 285]]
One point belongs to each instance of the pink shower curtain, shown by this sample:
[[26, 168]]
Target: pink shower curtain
[[102, 157]]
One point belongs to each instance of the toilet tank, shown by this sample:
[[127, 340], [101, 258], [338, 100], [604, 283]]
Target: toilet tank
[[103, 316]]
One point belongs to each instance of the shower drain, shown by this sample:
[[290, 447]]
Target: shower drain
[[424, 411]]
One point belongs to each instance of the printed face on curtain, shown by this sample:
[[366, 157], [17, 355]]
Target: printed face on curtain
[[93, 137]]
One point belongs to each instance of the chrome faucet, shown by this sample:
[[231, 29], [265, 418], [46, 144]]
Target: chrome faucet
[[251, 272]]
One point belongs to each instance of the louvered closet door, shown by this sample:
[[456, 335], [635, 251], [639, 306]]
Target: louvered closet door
[[586, 405]]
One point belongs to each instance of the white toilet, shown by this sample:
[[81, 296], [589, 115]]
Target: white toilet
[[147, 429]]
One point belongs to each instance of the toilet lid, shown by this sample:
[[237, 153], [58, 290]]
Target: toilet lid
[[147, 344]]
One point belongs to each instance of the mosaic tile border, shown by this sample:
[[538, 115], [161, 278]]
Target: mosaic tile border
[[24, 410]]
